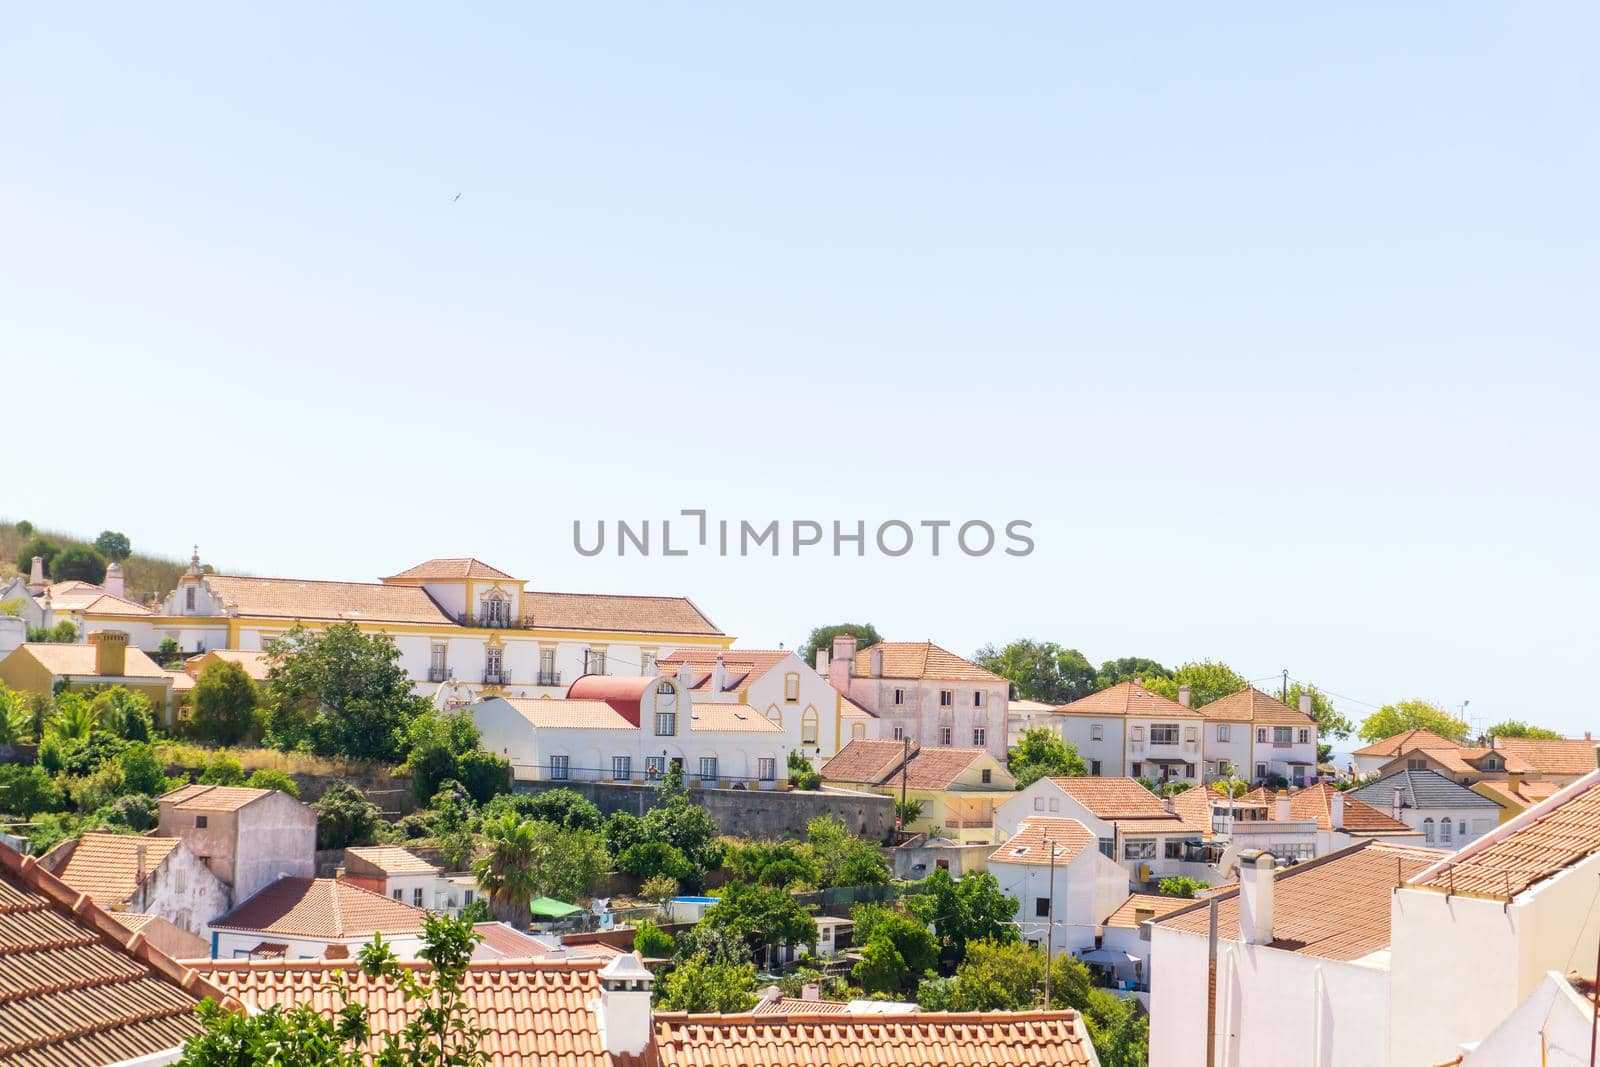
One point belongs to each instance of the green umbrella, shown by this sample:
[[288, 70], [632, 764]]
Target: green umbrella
[[545, 908]]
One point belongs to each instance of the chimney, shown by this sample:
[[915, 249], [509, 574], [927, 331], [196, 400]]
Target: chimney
[[1305, 702], [822, 662], [139, 853], [771, 995], [1280, 807], [719, 675], [875, 662], [36, 573], [1256, 869], [1336, 809], [1170, 804], [811, 991], [1185, 694], [110, 653], [685, 677], [626, 1023], [842, 664], [113, 583], [1396, 802]]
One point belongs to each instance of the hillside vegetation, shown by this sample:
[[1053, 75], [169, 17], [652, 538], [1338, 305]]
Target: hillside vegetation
[[144, 575]]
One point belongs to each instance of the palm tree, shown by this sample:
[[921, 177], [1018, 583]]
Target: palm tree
[[15, 718], [73, 720], [506, 868]]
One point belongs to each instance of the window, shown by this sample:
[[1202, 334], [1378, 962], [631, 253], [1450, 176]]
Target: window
[[1224, 732], [1282, 735], [1191, 733], [1416, 764], [547, 667], [775, 713], [767, 769], [1164, 733], [1261, 735], [808, 726], [1305, 737], [1294, 850], [988, 776], [1097, 731], [977, 698], [199, 822], [791, 687], [1138, 734], [858, 731], [1461, 825], [708, 768], [947, 698], [899, 733], [436, 661], [492, 658], [1492, 763], [655, 766], [1445, 834], [1094, 768], [496, 610], [666, 723], [622, 767], [899, 697], [1174, 849], [558, 767], [647, 662], [1055, 803], [469, 897], [944, 735], [1137, 768], [594, 661], [1038, 803], [188, 598], [1041, 907], [1108, 848], [399, 894], [666, 688], [980, 737], [1139, 848], [416, 897], [1261, 770]]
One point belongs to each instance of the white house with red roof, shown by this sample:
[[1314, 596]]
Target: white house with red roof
[[630, 730], [313, 919], [1132, 826], [1129, 731], [1064, 885]]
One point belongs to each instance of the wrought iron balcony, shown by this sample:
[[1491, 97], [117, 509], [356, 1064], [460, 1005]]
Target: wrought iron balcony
[[501, 677], [549, 677], [438, 674]]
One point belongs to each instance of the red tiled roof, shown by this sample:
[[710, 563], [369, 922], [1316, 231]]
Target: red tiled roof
[[1537, 844], [447, 568], [618, 614], [1142, 906], [255, 663], [303, 598], [1334, 907], [62, 660], [717, 717], [800, 1006], [106, 866], [389, 859], [196, 797], [559, 714], [1550, 757], [1030, 845], [864, 761], [1252, 705], [868, 761], [1128, 699], [922, 659], [77, 988], [1115, 798], [1402, 743], [326, 908], [743, 665], [1315, 802]]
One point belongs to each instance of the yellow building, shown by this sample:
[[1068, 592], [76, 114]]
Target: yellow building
[[958, 788], [105, 661]]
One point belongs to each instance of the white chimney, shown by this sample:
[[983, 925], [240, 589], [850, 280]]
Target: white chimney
[[1281, 807], [36, 573], [811, 991], [1305, 702], [1256, 870], [685, 676], [1336, 808], [624, 1006], [843, 662], [113, 582], [1396, 802], [719, 675], [822, 662], [1185, 694], [875, 662]]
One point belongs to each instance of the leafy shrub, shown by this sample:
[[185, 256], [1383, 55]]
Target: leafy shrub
[[651, 859], [78, 563], [142, 772], [652, 942], [565, 807], [345, 818], [485, 774], [27, 791], [136, 812], [660, 889], [222, 769], [270, 778], [1180, 886]]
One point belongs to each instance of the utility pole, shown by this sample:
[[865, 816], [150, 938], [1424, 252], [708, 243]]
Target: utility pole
[[1211, 984], [1594, 1012], [905, 770], [1050, 918], [1283, 693]]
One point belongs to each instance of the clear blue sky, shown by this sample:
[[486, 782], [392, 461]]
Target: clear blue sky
[[1278, 323]]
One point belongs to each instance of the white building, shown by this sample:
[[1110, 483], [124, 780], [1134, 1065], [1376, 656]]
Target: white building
[[1280, 741], [1447, 814], [1302, 971], [141, 875], [1132, 826], [1054, 867], [312, 919], [1128, 731], [631, 730], [1554, 1027], [1476, 933], [249, 838], [402, 875], [923, 692], [817, 719]]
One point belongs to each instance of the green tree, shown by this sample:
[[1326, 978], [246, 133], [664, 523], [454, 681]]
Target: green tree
[[881, 969], [222, 768], [345, 817], [26, 791], [505, 869], [999, 976], [971, 909], [801, 774], [1040, 670], [1128, 668], [841, 858], [24, 528], [762, 916], [268, 778], [652, 859], [341, 692], [701, 985], [134, 812], [224, 702], [124, 712], [1517, 728], [42, 547], [16, 717], [822, 638], [652, 942], [914, 944], [1180, 885], [564, 807], [113, 545], [659, 890], [142, 771], [782, 864], [1331, 722], [78, 563], [1405, 715], [1041, 754], [484, 774], [1207, 681]]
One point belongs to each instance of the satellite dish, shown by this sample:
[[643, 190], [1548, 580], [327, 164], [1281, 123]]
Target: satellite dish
[[1228, 865]]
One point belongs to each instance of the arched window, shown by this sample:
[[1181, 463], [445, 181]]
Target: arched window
[[858, 730], [1427, 829], [775, 713], [808, 726], [496, 610], [1444, 831]]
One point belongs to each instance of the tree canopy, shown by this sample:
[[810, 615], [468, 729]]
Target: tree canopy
[[1517, 728], [340, 692], [1331, 722], [224, 702], [822, 638], [78, 563], [1040, 670], [962, 911], [113, 545], [1207, 681], [1405, 715], [1114, 671], [1041, 754]]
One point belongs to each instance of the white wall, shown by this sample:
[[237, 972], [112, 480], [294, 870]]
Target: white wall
[[1087, 889], [231, 944], [1479, 821], [922, 717], [277, 837], [1108, 749], [184, 892], [1552, 1027]]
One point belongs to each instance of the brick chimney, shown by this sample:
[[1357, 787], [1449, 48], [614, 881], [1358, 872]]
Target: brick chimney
[[110, 653], [843, 663], [1185, 694], [113, 583], [626, 1023], [1256, 869]]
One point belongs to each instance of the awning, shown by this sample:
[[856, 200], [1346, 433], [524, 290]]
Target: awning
[[545, 908], [1167, 759], [1108, 955]]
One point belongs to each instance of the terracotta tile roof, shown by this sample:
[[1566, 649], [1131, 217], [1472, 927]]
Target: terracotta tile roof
[[1030, 844], [1193, 806], [175, 941], [1128, 699], [77, 988], [1141, 906], [1537, 844], [743, 665], [1399, 744], [110, 604], [1315, 802], [106, 866], [77, 660], [196, 797], [865, 761], [1524, 794], [711, 716], [302, 598], [255, 664], [852, 710], [456, 567], [533, 1012], [923, 1039], [390, 859], [800, 1006], [922, 659], [326, 908], [937, 767], [500, 941], [1115, 798], [1334, 907], [553, 713], [1550, 757], [620, 614], [182, 682], [1252, 705]]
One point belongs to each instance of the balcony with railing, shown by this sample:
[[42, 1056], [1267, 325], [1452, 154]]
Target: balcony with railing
[[500, 677], [549, 678], [438, 674], [493, 621]]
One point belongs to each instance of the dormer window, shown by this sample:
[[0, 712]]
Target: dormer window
[[496, 611]]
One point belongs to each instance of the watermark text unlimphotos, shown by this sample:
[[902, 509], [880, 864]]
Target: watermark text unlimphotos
[[694, 532]]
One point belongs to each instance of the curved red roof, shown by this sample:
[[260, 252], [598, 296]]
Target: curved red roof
[[623, 693]]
